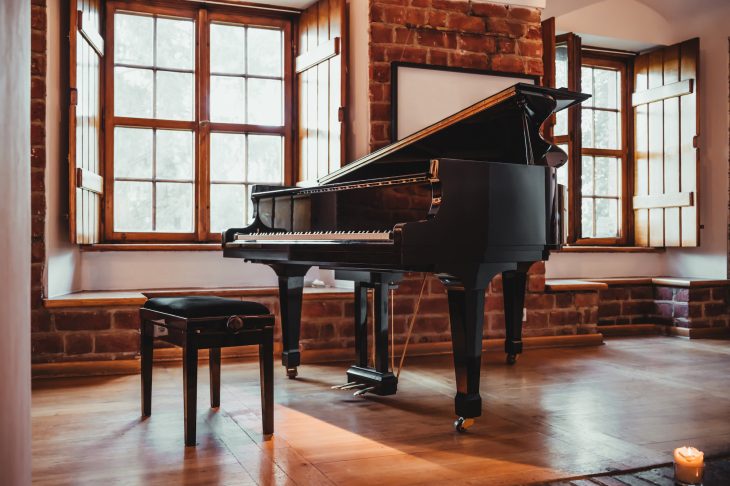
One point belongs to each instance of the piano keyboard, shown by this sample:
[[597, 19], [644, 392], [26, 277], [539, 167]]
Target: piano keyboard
[[313, 237]]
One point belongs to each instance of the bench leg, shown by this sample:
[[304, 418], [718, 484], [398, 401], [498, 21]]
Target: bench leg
[[190, 389], [266, 369], [214, 361], [146, 349]]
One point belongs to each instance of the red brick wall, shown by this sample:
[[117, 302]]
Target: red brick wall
[[40, 322], [103, 333], [458, 33]]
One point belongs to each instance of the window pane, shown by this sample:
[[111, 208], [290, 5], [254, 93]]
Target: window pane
[[227, 97], [227, 155], [133, 92], [607, 130], [265, 102], [561, 66], [133, 152], [227, 205], [607, 176], [174, 207], [174, 96], [586, 127], [132, 206], [606, 218], [586, 217], [133, 36], [605, 89], [265, 158], [227, 54], [586, 84], [174, 150], [264, 52], [586, 176], [175, 43], [249, 206], [561, 123]]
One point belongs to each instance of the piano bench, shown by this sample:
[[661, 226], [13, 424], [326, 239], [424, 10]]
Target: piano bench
[[211, 323]]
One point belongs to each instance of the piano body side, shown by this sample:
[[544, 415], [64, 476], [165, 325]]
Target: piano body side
[[488, 212]]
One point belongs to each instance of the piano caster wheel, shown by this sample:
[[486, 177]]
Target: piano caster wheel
[[291, 373], [462, 424], [511, 359]]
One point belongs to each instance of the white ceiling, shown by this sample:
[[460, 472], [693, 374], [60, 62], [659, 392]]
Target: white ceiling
[[680, 9]]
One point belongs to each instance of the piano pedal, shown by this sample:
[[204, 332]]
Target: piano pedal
[[354, 385], [339, 387], [363, 391]]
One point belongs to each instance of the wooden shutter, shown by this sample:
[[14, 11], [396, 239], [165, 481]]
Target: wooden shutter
[[666, 126], [321, 73], [85, 124]]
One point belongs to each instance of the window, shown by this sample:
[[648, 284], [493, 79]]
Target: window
[[603, 153], [196, 101], [594, 138]]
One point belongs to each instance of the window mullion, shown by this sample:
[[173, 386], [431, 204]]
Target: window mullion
[[202, 158]]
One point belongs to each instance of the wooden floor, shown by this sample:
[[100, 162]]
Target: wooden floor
[[558, 413]]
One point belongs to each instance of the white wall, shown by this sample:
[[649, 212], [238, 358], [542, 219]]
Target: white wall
[[710, 259], [15, 430], [63, 267], [634, 21], [358, 133]]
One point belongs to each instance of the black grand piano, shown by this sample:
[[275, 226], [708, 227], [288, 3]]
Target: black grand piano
[[467, 198]]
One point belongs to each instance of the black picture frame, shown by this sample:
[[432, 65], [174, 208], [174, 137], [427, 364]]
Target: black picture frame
[[431, 67]]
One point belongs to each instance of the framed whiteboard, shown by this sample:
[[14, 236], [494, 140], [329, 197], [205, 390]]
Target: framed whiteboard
[[423, 94]]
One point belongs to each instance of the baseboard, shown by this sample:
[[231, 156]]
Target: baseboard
[[625, 330], [700, 332], [628, 330], [249, 353]]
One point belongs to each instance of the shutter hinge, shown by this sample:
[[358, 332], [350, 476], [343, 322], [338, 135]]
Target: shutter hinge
[[73, 96], [695, 141], [341, 114]]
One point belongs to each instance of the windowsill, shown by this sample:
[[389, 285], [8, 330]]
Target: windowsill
[[609, 249], [152, 247], [113, 298]]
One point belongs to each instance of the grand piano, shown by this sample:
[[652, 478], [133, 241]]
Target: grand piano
[[470, 197]]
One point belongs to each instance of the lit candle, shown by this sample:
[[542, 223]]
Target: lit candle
[[689, 464]]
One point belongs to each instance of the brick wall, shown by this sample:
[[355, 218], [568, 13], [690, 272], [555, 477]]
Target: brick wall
[[458, 33], [110, 332], [40, 320]]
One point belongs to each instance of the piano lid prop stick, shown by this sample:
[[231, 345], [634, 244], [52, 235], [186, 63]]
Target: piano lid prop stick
[[410, 326]]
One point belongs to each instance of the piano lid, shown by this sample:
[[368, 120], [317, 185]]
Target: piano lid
[[502, 128]]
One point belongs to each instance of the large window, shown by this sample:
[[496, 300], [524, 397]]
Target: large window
[[594, 138], [196, 116]]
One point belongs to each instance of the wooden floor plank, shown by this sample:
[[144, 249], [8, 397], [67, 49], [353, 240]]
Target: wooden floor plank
[[558, 413]]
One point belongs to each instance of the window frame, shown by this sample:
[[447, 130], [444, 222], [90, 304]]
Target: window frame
[[620, 63], [579, 56], [201, 126]]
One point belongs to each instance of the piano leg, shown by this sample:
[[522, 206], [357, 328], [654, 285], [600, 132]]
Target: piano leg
[[465, 290], [291, 286], [513, 284], [361, 324], [466, 311]]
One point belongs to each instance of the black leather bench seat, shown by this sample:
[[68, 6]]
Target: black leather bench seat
[[203, 306]]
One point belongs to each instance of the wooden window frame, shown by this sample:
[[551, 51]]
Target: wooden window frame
[[622, 64], [201, 126], [579, 56]]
